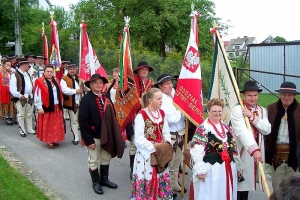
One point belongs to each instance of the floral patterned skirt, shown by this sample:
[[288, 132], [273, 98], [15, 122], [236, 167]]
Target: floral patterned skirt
[[8, 110], [50, 127], [141, 181]]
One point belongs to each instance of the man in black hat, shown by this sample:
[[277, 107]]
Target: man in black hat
[[250, 143], [176, 123], [31, 59], [21, 88], [37, 70], [143, 84], [281, 144], [64, 65], [72, 88], [13, 59], [100, 132]]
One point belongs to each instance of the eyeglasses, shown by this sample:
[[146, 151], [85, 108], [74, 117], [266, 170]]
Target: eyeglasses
[[216, 111]]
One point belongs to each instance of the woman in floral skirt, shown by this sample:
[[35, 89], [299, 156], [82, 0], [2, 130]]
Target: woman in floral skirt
[[7, 109], [150, 128]]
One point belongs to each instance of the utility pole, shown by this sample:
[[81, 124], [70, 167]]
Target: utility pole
[[18, 41]]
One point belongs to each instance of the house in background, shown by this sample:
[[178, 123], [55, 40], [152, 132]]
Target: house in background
[[268, 40], [239, 46]]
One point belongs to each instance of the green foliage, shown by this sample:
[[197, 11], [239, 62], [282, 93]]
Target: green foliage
[[280, 39], [15, 186], [155, 25]]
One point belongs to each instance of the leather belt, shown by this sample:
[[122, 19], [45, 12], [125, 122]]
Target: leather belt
[[281, 155], [173, 133]]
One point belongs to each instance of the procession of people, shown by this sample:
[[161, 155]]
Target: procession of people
[[222, 155]]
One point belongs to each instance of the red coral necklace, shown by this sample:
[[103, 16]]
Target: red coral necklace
[[158, 115], [223, 134]]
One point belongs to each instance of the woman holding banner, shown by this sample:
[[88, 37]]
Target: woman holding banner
[[213, 151]]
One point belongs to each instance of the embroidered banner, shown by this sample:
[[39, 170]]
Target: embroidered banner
[[221, 85], [127, 99]]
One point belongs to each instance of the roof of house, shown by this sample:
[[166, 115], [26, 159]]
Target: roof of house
[[240, 41], [268, 40]]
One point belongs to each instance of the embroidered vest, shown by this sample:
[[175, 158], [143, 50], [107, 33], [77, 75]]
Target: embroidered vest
[[69, 100], [214, 148], [153, 131]]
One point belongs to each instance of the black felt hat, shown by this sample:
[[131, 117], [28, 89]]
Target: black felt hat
[[251, 86], [141, 65], [11, 56], [163, 78], [72, 66], [288, 87], [22, 61], [41, 56], [95, 77], [30, 55], [64, 60]]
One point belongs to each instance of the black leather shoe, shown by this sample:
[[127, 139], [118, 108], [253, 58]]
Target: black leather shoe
[[75, 142], [23, 135], [174, 195], [105, 182], [97, 188]]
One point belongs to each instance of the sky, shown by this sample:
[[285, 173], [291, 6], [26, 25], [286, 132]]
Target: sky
[[252, 18]]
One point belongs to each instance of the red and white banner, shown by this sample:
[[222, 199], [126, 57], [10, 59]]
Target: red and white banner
[[89, 63], [188, 95], [55, 58]]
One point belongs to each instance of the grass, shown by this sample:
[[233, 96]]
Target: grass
[[14, 186]]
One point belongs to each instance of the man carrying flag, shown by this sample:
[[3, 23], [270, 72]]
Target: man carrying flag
[[253, 142]]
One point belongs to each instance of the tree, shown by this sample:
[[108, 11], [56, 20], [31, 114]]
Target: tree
[[155, 24], [280, 39]]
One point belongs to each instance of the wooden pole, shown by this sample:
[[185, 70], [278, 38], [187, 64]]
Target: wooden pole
[[242, 106], [184, 166]]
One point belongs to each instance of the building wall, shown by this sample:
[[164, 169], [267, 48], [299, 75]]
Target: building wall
[[279, 58]]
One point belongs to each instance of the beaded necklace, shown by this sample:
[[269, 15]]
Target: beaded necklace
[[158, 114], [223, 134]]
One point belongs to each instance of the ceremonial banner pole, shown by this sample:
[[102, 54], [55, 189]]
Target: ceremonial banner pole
[[265, 184], [184, 147]]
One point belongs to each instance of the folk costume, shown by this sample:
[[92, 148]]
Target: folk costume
[[7, 109], [99, 126], [281, 144], [69, 84], [250, 142], [176, 122], [21, 89], [50, 126], [142, 87], [36, 71], [147, 183], [214, 153]]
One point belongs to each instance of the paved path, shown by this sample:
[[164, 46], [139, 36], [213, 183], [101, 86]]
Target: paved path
[[64, 169]]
